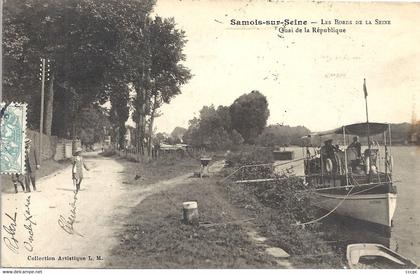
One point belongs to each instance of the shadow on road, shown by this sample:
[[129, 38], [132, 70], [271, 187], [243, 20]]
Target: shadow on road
[[66, 189]]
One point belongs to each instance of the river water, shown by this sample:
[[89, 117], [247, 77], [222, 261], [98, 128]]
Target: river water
[[405, 233], [405, 237]]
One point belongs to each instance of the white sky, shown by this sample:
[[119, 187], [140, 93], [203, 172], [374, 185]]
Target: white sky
[[295, 72]]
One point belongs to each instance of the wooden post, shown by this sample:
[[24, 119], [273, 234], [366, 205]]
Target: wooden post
[[190, 212]]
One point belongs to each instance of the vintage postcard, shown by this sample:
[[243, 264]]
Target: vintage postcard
[[234, 134]]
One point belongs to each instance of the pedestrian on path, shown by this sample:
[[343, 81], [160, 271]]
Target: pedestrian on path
[[77, 170], [18, 178], [32, 164]]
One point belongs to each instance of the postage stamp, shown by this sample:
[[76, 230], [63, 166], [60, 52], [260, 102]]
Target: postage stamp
[[12, 138]]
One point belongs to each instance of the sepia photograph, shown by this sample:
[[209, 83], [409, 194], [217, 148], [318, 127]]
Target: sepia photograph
[[209, 134]]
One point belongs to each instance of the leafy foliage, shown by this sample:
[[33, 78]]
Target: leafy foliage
[[251, 155], [97, 49], [278, 135], [91, 124], [212, 129], [178, 133], [225, 126], [119, 99], [280, 206], [249, 114]]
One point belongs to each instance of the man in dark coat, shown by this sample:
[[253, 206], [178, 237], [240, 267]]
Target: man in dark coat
[[32, 164], [357, 146]]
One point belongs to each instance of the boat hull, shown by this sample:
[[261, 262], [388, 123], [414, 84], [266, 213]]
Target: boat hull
[[374, 208], [356, 252]]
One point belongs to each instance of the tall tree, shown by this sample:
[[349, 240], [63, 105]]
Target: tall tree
[[212, 129], [91, 124], [119, 112], [162, 73], [178, 133], [249, 115]]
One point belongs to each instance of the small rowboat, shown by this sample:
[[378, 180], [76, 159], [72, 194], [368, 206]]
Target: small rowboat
[[375, 256]]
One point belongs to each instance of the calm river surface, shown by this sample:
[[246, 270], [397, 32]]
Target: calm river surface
[[405, 234], [405, 237]]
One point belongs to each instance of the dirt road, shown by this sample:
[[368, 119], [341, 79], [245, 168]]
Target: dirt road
[[54, 227]]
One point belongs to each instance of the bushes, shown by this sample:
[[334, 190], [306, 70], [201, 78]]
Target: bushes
[[279, 206], [108, 153], [251, 155]]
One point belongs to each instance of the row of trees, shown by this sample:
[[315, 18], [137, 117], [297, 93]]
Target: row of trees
[[282, 135], [99, 51], [224, 126], [242, 122]]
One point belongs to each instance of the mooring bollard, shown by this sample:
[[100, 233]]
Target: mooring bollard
[[190, 212], [204, 166]]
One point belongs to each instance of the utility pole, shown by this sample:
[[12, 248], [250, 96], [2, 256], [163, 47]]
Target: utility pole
[[42, 70], [367, 123], [1, 53]]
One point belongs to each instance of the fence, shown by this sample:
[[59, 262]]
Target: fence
[[133, 155], [49, 143], [64, 150], [130, 154], [52, 146]]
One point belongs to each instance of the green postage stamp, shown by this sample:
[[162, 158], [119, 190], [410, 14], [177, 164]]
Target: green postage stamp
[[12, 138]]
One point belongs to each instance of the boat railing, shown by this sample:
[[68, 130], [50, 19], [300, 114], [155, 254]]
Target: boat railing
[[349, 186]]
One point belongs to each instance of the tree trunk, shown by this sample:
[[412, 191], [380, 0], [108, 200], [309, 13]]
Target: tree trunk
[[74, 115], [140, 112], [152, 119], [141, 121], [149, 141], [49, 108]]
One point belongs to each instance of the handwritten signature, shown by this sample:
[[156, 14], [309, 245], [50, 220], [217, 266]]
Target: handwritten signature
[[11, 240], [67, 223], [12, 243], [28, 225]]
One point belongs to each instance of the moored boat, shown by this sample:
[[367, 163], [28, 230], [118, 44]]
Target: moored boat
[[349, 182], [375, 256]]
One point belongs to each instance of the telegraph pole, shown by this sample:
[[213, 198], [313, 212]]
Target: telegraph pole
[[44, 66]]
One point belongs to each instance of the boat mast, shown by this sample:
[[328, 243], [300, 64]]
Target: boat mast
[[345, 155], [386, 154], [367, 122], [390, 146]]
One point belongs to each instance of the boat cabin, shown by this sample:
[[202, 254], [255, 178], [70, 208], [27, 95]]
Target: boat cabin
[[350, 163]]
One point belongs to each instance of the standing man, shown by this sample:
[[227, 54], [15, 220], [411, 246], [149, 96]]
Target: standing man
[[329, 156], [32, 164], [357, 146]]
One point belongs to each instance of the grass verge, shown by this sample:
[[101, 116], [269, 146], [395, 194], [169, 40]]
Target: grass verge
[[277, 221], [155, 237]]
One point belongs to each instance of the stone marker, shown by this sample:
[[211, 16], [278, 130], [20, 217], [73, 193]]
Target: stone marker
[[190, 212]]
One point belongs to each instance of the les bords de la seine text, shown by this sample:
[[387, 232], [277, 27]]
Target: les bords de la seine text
[[289, 25]]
